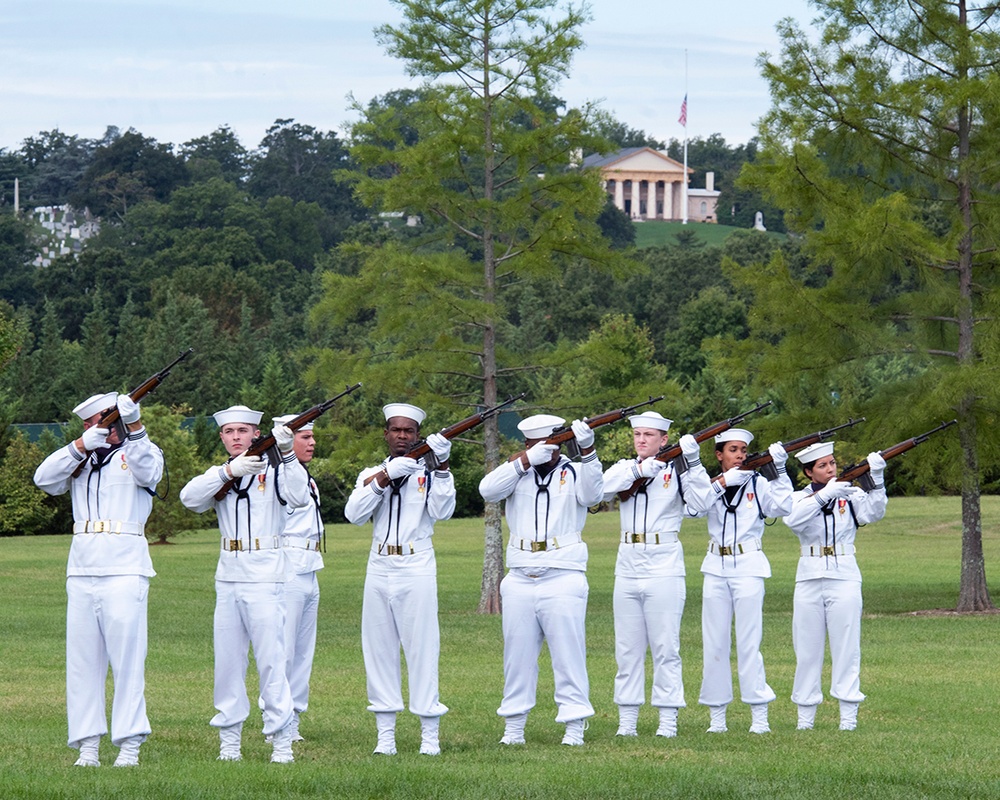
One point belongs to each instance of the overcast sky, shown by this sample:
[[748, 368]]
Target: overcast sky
[[177, 69]]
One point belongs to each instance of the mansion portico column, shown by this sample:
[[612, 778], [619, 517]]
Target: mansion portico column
[[635, 198], [651, 198], [620, 195]]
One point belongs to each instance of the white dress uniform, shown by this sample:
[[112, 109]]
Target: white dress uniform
[[734, 570], [301, 541], [545, 590], [650, 589], [400, 607], [107, 580], [828, 590], [249, 585]]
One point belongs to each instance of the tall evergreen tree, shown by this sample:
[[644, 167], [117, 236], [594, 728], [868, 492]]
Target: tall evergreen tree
[[488, 168], [881, 148], [97, 372]]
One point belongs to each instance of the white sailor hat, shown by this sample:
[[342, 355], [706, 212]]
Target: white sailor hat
[[391, 410], [650, 419], [95, 404], [237, 414], [734, 435], [814, 452], [286, 418], [540, 426]]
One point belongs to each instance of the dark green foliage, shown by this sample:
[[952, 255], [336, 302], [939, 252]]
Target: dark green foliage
[[219, 154], [616, 227], [24, 508], [125, 171], [53, 165], [180, 453], [17, 275]]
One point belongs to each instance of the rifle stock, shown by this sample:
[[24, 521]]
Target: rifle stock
[[669, 452], [262, 444], [113, 417], [859, 472]]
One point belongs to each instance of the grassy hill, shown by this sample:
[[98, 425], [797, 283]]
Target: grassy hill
[[657, 233]]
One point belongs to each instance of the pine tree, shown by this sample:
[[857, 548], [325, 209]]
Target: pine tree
[[881, 148], [487, 165]]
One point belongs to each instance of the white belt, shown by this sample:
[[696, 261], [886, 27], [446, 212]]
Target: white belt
[[819, 550], [257, 543], [109, 526], [748, 546], [405, 549], [552, 543], [301, 543], [649, 538]]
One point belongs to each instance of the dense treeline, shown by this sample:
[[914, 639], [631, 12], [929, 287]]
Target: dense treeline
[[223, 249]]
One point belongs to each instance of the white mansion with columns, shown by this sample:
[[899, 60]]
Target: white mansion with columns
[[648, 184]]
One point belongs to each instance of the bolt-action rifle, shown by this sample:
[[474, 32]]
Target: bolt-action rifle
[[670, 452], [861, 472], [423, 450], [565, 435], [764, 463], [113, 419], [262, 445]]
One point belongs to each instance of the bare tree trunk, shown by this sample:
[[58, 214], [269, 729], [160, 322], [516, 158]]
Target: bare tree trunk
[[493, 562], [489, 597], [973, 594]]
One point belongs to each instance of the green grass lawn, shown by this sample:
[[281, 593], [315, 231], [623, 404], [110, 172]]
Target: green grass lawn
[[928, 729], [657, 233]]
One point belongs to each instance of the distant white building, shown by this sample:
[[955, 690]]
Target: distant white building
[[64, 231], [648, 184]]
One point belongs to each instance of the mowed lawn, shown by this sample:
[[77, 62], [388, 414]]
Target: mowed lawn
[[929, 728]]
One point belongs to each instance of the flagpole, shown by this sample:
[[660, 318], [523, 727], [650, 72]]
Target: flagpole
[[684, 202]]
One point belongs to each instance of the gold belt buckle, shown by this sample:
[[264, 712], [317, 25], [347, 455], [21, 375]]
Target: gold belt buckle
[[234, 545], [393, 550], [101, 526], [637, 538], [827, 550], [725, 551], [537, 547]]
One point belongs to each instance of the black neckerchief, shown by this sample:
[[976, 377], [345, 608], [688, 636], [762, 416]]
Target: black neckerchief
[[396, 498], [243, 493], [98, 460], [829, 522], [543, 477]]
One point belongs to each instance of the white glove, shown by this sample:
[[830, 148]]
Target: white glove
[[832, 491], [244, 464], [651, 467], [736, 476], [94, 438], [877, 465], [402, 466], [284, 437], [541, 453], [128, 409], [691, 449], [778, 454], [441, 447], [584, 434]]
